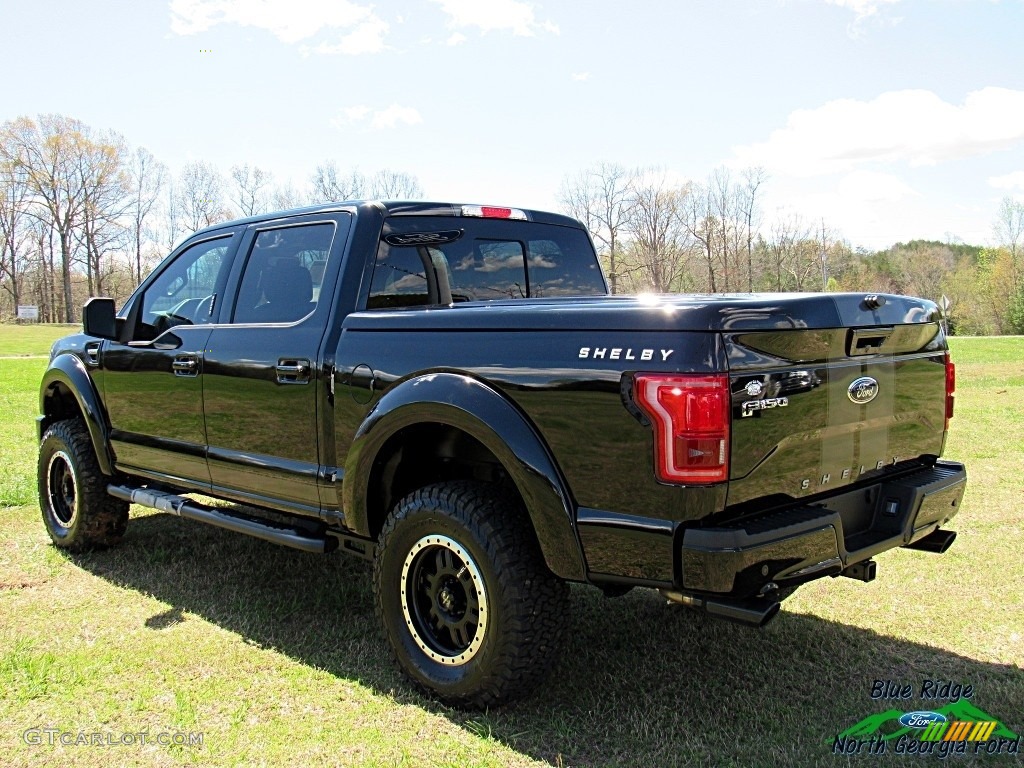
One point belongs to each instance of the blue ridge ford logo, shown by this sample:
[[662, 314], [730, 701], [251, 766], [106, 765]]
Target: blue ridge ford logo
[[862, 390], [921, 719]]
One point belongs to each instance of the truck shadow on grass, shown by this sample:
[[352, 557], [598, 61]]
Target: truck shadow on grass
[[639, 682]]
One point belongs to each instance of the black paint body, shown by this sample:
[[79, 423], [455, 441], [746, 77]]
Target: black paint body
[[333, 416]]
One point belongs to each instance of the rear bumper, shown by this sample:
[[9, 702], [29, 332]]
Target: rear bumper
[[791, 546]]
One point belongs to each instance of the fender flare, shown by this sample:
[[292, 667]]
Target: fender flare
[[466, 403], [69, 370]]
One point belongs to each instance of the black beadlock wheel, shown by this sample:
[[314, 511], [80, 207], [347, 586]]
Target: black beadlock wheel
[[467, 604], [78, 512]]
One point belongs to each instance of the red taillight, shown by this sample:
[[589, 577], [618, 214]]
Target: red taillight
[[690, 415], [950, 388]]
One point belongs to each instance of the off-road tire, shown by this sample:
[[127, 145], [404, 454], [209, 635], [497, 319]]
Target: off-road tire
[[78, 512], [519, 630]]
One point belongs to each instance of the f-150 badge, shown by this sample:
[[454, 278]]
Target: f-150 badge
[[750, 407]]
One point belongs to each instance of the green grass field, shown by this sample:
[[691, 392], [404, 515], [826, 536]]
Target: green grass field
[[31, 340], [275, 658]]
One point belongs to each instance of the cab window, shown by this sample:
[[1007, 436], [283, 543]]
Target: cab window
[[284, 274], [185, 293]]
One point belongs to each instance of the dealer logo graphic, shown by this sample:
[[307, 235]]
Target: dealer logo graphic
[[956, 728], [964, 730]]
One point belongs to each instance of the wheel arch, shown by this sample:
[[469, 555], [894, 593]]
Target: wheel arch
[[450, 417], [68, 392]]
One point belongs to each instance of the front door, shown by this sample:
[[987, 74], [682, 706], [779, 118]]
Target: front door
[[263, 386], [153, 377]]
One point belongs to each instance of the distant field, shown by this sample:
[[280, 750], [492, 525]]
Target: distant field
[[24, 340], [987, 349], [275, 658]]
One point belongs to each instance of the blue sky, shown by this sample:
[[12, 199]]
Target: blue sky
[[890, 119]]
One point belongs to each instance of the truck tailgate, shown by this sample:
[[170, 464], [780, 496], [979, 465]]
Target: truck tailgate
[[814, 410]]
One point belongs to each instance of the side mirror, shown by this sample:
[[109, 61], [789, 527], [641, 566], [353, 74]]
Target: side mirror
[[98, 318]]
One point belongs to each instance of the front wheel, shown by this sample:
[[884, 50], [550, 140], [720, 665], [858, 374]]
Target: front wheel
[[466, 601], [78, 512]]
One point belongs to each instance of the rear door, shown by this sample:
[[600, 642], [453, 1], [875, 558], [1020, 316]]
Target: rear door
[[264, 387]]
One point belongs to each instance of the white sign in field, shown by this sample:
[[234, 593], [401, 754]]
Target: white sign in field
[[28, 312]]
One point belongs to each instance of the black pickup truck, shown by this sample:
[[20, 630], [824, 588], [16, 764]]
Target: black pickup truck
[[450, 391]]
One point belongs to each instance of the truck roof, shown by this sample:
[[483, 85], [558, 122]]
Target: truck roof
[[388, 208]]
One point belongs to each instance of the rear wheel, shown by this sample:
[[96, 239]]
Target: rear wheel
[[78, 512], [465, 599]]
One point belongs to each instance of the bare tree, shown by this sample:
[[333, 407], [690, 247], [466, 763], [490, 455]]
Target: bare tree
[[658, 238], [200, 196], [146, 179], [172, 230], [601, 198], [330, 184], [50, 153], [395, 185], [285, 197], [754, 179], [793, 252], [250, 188], [701, 225], [105, 188], [920, 269], [1009, 232], [14, 228]]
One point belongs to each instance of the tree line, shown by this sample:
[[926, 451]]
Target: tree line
[[84, 213], [711, 236]]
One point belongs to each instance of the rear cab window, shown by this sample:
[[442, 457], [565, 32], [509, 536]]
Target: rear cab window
[[431, 260]]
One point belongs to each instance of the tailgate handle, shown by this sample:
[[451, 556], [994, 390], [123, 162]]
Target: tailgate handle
[[867, 341]]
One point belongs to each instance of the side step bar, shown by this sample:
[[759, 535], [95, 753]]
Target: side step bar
[[314, 539]]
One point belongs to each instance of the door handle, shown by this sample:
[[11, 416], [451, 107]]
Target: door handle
[[185, 365], [291, 371]]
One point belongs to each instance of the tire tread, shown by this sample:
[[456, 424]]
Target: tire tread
[[535, 601], [103, 518]]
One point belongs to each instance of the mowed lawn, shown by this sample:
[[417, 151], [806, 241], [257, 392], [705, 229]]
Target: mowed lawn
[[274, 656]]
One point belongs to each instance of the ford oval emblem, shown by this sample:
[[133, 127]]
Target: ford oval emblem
[[921, 719], [863, 390]]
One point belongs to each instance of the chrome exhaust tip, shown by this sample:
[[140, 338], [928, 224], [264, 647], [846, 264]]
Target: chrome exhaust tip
[[750, 612]]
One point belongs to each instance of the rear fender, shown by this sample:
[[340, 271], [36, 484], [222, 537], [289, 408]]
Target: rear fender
[[467, 404], [68, 372]]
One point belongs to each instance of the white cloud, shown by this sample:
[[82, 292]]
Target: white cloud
[[357, 113], [488, 15], [390, 117], [580, 77], [456, 39], [290, 20], [863, 8], [874, 187], [368, 37], [377, 119], [1013, 180], [913, 126]]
